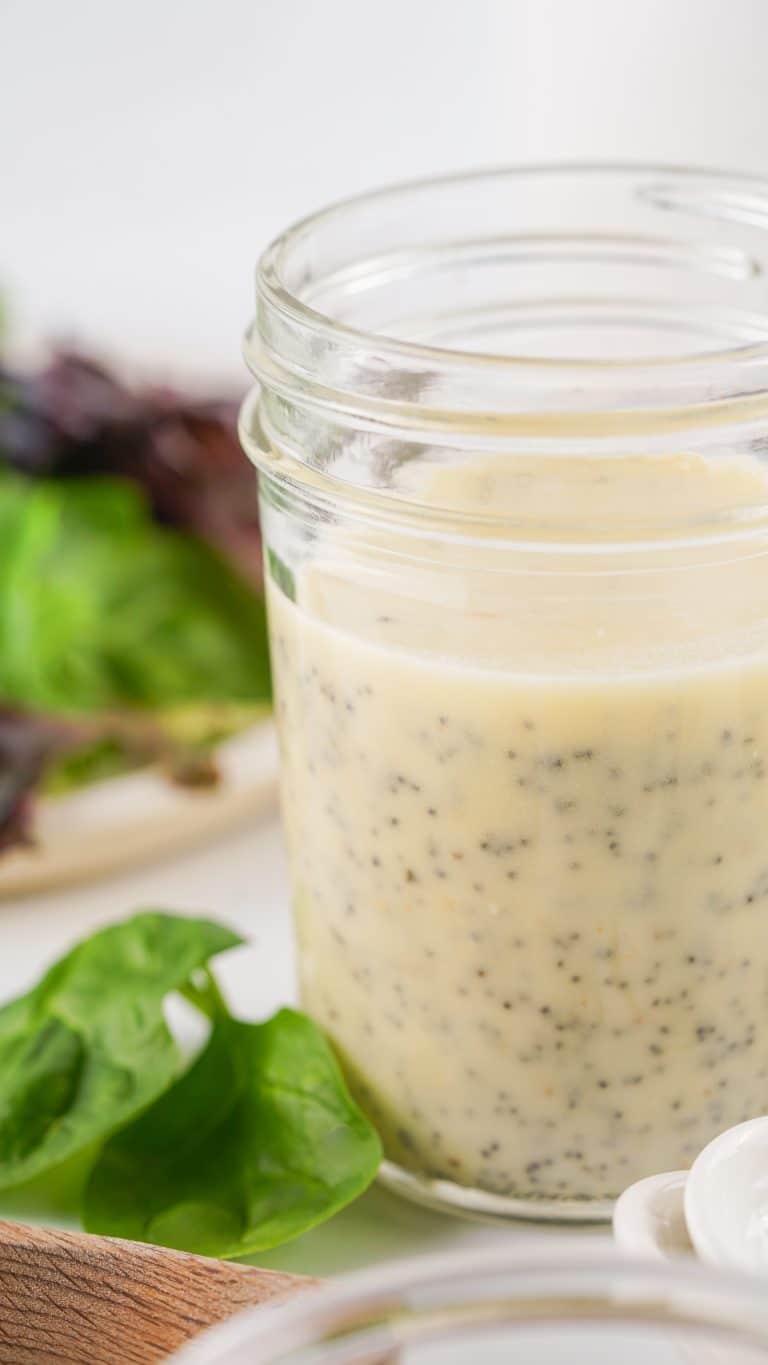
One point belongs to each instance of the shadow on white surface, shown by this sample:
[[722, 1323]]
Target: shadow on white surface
[[382, 1227]]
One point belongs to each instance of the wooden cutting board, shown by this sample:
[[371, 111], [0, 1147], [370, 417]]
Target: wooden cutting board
[[68, 1298]]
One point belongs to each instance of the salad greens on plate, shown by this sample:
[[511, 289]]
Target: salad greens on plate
[[132, 620], [251, 1143]]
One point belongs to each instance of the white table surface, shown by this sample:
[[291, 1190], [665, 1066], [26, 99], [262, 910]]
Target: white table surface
[[239, 878]]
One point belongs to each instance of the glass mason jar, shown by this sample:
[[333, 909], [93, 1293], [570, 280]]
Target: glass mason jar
[[540, 1305], [512, 432]]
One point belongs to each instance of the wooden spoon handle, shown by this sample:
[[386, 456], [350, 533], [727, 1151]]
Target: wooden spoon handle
[[68, 1298]]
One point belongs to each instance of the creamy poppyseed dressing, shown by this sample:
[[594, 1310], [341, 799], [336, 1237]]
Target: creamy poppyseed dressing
[[529, 838]]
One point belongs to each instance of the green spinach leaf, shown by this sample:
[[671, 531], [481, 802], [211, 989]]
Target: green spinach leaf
[[88, 1048], [259, 1141], [102, 608]]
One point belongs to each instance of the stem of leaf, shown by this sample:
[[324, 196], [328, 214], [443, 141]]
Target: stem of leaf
[[204, 994]]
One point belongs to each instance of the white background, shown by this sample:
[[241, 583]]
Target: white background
[[152, 148]]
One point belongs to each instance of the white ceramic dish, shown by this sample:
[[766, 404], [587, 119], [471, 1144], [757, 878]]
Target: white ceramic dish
[[128, 820], [726, 1198], [703, 1212], [717, 1211], [649, 1217]]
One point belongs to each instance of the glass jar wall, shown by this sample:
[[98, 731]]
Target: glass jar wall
[[511, 431]]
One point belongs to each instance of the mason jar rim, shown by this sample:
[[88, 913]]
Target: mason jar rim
[[271, 288], [328, 387], [549, 1278]]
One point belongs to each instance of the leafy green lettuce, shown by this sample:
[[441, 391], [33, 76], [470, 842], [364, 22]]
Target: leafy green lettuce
[[258, 1142], [101, 608], [255, 1142], [88, 1047]]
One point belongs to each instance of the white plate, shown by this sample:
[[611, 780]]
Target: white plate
[[127, 820], [649, 1218], [726, 1198]]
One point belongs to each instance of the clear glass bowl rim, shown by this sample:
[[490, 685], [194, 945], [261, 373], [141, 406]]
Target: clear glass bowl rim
[[675, 1293]]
